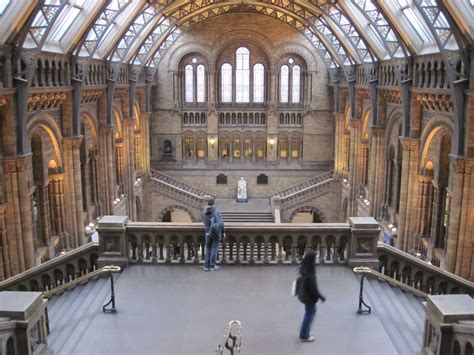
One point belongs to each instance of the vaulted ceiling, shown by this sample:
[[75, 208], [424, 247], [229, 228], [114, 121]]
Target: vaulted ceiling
[[139, 32]]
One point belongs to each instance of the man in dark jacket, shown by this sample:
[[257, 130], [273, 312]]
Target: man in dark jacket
[[214, 229], [308, 293]]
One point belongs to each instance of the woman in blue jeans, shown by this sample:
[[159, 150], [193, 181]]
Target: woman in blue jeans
[[308, 294]]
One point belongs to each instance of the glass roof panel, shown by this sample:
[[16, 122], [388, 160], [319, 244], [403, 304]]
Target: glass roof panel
[[406, 6], [3, 5]]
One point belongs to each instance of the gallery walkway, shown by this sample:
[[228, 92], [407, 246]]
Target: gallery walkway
[[175, 309]]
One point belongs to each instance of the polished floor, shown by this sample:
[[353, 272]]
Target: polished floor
[[184, 310]]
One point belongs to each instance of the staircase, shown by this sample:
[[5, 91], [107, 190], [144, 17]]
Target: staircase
[[71, 313], [402, 314], [247, 217], [178, 190], [306, 190]]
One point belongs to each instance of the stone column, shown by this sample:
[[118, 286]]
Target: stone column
[[407, 211], [459, 249], [354, 166], [106, 168], [339, 144], [5, 271], [73, 191], [423, 209], [376, 177], [43, 200], [56, 200]]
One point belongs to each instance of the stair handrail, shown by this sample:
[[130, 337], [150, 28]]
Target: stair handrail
[[363, 270], [314, 181], [233, 348], [61, 259], [455, 279], [64, 287], [155, 173]]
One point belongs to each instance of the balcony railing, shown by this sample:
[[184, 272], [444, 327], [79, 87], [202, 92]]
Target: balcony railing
[[124, 242], [420, 275], [55, 272]]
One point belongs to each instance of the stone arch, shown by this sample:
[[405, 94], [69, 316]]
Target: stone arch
[[303, 52], [251, 37], [435, 126], [47, 123], [394, 119], [309, 209], [117, 123], [184, 50], [366, 115], [169, 209]]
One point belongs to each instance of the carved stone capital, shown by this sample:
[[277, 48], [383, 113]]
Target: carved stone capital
[[409, 144], [72, 142], [91, 95]]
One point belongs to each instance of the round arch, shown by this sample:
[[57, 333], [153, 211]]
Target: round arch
[[170, 209]]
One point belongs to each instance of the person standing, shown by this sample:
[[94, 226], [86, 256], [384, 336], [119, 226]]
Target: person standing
[[214, 232], [308, 293]]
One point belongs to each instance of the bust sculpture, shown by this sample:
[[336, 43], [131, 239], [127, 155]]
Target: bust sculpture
[[242, 190]]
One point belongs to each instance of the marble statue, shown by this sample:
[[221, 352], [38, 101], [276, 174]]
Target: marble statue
[[242, 190]]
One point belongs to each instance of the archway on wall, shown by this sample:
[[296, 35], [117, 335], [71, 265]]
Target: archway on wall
[[176, 214], [307, 214], [37, 149]]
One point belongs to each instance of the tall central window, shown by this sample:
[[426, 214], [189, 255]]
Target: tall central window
[[242, 75], [242, 78]]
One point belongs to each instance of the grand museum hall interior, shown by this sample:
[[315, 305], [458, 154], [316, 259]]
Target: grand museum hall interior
[[345, 127]]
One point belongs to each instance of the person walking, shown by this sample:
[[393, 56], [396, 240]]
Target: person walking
[[308, 293], [214, 232]]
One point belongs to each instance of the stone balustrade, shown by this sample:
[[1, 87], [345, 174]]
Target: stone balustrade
[[123, 242], [55, 272], [306, 184], [23, 328], [420, 274], [449, 325]]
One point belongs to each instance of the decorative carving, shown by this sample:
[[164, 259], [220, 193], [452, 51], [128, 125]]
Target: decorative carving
[[436, 102], [363, 93], [392, 96], [90, 95], [3, 101], [44, 101]]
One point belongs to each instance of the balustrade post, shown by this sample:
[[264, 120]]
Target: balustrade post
[[363, 245], [113, 243]]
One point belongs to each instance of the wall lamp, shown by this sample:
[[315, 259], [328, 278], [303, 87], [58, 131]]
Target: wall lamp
[[272, 142], [212, 141]]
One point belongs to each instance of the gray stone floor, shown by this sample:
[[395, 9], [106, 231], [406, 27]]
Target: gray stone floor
[[184, 310]]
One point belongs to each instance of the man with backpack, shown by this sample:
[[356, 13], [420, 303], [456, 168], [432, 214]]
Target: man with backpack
[[214, 232]]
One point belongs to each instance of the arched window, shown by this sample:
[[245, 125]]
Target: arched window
[[200, 84], [295, 89], [242, 75], [189, 83], [226, 82], [258, 83], [284, 77], [194, 82], [290, 82]]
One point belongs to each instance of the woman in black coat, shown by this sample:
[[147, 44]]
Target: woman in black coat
[[308, 293]]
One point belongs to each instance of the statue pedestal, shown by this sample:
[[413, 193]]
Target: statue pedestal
[[242, 199]]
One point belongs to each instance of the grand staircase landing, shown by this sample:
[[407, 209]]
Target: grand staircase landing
[[173, 309]]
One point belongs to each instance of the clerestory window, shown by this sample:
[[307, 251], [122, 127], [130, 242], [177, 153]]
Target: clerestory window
[[194, 82], [242, 79], [290, 83]]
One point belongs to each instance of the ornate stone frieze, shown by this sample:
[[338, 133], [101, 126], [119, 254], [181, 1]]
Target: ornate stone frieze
[[91, 95], [363, 93], [392, 96], [44, 101], [436, 102], [120, 92]]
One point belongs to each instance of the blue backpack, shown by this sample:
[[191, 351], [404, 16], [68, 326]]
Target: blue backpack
[[215, 228]]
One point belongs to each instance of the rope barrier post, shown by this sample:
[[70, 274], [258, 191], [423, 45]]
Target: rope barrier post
[[361, 299], [112, 297]]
